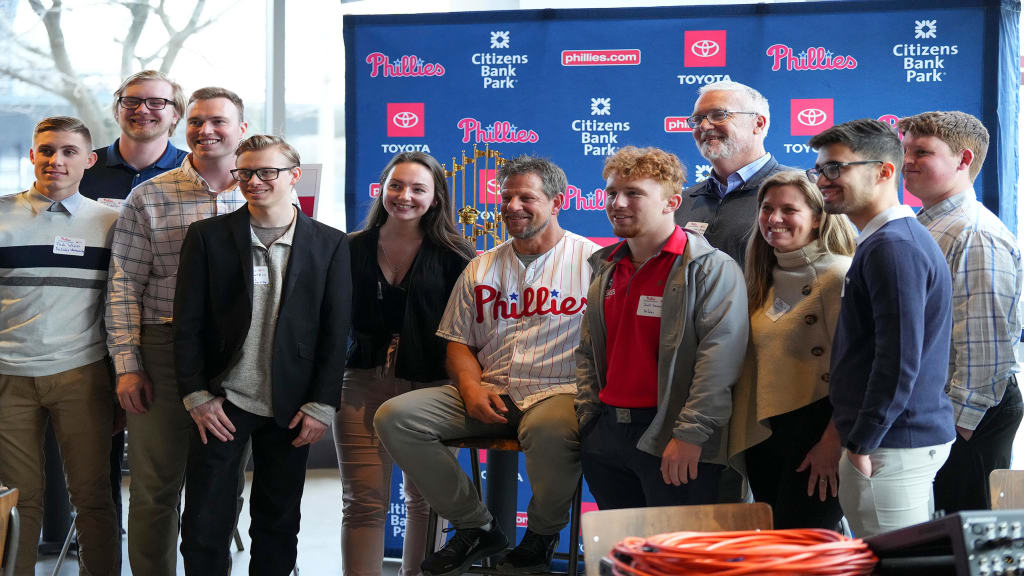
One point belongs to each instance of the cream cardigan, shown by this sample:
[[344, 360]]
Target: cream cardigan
[[787, 361]]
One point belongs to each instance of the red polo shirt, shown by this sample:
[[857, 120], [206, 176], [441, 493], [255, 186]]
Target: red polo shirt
[[632, 312]]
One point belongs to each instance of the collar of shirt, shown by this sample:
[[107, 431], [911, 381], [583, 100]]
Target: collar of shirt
[[41, 203], [739, 177], [675, 244], [928, 215], [285, 238], [190, 171], [893, 213], [165, 162]]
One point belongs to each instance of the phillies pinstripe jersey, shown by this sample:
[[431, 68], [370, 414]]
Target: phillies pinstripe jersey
[[524, 321]]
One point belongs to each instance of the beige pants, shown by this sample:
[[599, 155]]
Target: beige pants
[[366, 476], [80, 403]]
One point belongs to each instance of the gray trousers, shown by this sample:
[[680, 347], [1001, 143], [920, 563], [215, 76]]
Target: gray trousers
[[413, 427], [898, 493]]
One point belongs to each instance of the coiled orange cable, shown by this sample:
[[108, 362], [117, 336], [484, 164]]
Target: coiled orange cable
[[765, 553]]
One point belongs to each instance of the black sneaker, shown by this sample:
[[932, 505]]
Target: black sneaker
[[533, 554], [466, 547]]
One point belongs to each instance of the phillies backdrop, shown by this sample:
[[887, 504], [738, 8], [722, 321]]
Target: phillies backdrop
[[575, 85]]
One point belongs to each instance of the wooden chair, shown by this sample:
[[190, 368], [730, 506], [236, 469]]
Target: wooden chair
[[604, 529], [10, 529], [510, 444], [1006, 489]]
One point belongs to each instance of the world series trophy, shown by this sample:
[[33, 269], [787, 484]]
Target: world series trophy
[[479, 218]]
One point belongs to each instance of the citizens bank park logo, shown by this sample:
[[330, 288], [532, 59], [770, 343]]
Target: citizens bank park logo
[[403, 67], [704, 48], [614, 57], [813, 58], [810, 116], [405, 120]]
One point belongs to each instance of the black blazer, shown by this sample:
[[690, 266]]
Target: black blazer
[[434, 272], [213, 308]]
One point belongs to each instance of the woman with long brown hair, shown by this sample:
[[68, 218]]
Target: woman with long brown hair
[[781, 434], [405, 262]]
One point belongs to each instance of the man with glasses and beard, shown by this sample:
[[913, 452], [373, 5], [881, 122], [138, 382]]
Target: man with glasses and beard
[[891, 348], [729, 122]]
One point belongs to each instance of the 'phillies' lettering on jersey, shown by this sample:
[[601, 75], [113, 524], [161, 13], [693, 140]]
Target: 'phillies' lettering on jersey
[[533, 304], [523, 321]]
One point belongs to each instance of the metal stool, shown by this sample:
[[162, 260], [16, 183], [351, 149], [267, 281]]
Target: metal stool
[[512, 445]]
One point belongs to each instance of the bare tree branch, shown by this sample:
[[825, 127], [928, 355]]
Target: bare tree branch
[[25, 75], [140, 13]]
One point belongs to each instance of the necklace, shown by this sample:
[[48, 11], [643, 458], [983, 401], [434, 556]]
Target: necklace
[[387, 262]]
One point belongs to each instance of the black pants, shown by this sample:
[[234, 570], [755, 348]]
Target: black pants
[[962, 482], [621, 476], [772, 464], [279, 473]]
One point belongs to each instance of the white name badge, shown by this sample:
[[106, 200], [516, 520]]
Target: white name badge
[[779, 307], [260, 275], [115, 203], [649, 306], [68, 246], [698, 227]]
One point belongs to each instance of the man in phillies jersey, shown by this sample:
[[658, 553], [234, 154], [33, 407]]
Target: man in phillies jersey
[[659, 346], [512, 325]]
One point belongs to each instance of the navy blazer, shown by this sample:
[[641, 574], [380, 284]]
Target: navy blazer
[[213, 309]]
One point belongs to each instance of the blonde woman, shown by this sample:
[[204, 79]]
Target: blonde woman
[[781, 433]]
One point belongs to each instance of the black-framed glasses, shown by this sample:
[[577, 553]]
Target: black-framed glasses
[[715, 117], [131, 102], [832, 170], [264, 174]]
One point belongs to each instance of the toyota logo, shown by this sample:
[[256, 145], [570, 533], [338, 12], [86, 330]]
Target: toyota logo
[[405, 119], [811, 117], [704, 48]]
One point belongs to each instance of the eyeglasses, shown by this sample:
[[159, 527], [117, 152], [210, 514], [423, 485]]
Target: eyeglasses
[[264, 174], [131, 102], [715, 117], [831, 170]]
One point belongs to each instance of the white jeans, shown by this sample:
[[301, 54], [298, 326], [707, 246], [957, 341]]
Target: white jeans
[[898, 493]]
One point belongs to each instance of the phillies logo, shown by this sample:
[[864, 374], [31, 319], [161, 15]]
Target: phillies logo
[[816, 58], [677, 124], [704, 48], [406, 66], [539, 302], [374, 189], [490, 191], [405, 120], [810, 116], [501, 132]]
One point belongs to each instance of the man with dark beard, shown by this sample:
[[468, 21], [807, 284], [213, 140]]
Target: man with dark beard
[[729, 122]]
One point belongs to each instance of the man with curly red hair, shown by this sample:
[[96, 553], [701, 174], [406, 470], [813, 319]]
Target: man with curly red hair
[[666, 321]]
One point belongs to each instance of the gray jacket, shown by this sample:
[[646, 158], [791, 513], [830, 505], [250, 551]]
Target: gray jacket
[[703, 341]]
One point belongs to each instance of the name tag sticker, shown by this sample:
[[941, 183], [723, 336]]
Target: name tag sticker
[[698, 227], [260, 275], [649, 306], [779, 307], [68, 246], [116, 203]]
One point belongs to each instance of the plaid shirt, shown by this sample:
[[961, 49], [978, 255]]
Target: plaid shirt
[[145, 251], [986, 265]]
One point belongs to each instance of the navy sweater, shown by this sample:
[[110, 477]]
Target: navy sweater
[[890, 353]]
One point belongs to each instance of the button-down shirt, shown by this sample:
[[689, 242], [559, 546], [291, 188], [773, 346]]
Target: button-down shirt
[[68, 205], [882, 218], [986, 265], [739, 177], [111, 178], [146, 247]]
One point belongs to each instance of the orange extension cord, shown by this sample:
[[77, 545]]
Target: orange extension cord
[[765, 553]]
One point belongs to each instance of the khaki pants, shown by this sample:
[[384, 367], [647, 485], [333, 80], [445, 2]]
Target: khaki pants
[[80, 404], [158, 450], [413, 427], [898, 493]]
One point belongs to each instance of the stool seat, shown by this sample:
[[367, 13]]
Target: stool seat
[[509, 444]]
